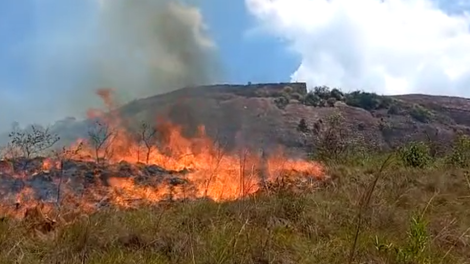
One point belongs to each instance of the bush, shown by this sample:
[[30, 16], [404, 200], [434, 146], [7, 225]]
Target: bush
[[385, 102], [322, 91], [311, 99], [331, 101], [281, 102], [415, 154], [367, 101], [330, 138], [393, 110], [420, 114], [460, 155], [337, 94], [288, 89], [302, 126]]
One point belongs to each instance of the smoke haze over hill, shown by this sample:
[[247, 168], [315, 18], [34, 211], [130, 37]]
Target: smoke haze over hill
[[138, 48]]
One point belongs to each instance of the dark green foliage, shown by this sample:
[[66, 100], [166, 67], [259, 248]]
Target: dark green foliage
[[331, 101], [385, 102], [420, 114], [322, 91], [394, 109], [281, 102], [322, 96], [311, 99], [460, 154], [415, 154], [367, 101], [337, 94]]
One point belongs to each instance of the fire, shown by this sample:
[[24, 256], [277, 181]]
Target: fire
[[211, 172]]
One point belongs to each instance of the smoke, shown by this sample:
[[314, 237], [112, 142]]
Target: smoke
[[150, 47], [138, 48]]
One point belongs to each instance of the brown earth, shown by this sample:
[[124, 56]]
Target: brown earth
[[249, 115]]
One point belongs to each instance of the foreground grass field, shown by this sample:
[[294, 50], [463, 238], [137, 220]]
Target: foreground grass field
[[413, 216]]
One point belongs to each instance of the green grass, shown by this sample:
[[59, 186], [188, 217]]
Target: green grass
[[413, 216]]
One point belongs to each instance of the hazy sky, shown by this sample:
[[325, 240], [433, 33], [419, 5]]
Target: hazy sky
[[55, 53]]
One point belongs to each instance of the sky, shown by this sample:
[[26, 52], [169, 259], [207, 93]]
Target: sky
[[55, 53]]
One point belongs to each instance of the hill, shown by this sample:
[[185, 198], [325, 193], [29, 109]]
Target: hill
[[267, 115], [264, 115]]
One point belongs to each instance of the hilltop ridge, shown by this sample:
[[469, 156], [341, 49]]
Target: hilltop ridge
[[265, 115]]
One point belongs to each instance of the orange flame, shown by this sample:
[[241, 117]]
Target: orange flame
[[213, 173]]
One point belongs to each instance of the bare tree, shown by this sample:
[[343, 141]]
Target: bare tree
[[62, 156], [100, 137], [33, 142], [148, 138], [331, 139]]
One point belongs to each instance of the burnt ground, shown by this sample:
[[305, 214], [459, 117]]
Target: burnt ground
[[91, 185], [26, 180]]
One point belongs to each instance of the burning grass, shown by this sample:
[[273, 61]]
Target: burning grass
[[125, 167], [415, 216], [158, 197]]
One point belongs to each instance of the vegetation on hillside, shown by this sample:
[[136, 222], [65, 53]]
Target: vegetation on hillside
[[323, 96], [408, 205]]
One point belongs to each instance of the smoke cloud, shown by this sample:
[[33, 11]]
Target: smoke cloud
[[139, 48]]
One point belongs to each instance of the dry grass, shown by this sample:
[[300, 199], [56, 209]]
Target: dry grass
[[414, 216]]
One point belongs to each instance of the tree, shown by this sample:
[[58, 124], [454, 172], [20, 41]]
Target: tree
[[100, 137], [34, 142], [61, 156], [322, 91], [367, 101], [148, 137], [337, 94]]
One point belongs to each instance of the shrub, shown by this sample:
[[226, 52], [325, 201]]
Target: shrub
[[288, 89], [460, 155], [302, 126], [330, 138], [420, 114], [281, 102], [415, 154], [311, 99], [394, 109], [322, 91], [331, 101], [337, 94], [385, 102], [367, 101]]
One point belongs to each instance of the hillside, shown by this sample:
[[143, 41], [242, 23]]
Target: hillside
[[264, 115]]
